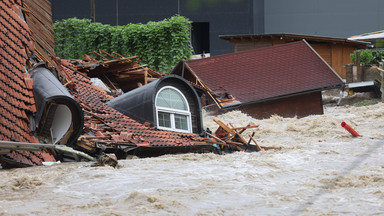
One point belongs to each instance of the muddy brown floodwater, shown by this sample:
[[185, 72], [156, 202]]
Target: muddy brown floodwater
[[320, 170]]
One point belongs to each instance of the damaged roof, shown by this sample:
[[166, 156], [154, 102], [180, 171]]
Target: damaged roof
[[105, 127], [263, 74], [26, 42], [116, 71], [16, 97]]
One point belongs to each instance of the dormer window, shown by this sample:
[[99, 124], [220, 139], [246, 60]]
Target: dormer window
[[172, 110]]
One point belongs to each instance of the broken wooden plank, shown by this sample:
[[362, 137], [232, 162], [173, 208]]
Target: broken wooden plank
[[214, 141], [247, 127], [225, 127], [253, 134], [146, 76], [257, 145], [238, 135], [100, 50], [217, 139], [234, 143], [101, 56]]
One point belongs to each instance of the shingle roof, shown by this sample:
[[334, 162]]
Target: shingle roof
[[265, 73], [110, 127], [16, 97]]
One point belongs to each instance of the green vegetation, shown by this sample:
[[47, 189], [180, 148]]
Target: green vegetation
[[159, 44], [368, 57], [366, 102]]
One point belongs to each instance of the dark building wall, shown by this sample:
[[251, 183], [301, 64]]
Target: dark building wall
[[341, 18], [71, 8], [224, 16]]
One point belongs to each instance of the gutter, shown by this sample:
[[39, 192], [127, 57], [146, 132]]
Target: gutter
[[10, 145]]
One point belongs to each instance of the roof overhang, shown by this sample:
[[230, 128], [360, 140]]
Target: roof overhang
[[293, 37], [232, 106]]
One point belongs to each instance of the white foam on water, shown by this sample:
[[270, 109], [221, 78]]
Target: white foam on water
[[320, 170]]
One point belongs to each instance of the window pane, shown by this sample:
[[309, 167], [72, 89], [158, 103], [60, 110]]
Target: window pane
[[181, 122], [170, 98], [164, 119]]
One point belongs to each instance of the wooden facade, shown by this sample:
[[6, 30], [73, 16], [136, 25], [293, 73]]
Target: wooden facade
[[335, 51], [294, 106]]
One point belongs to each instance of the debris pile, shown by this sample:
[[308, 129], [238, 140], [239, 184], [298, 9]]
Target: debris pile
[[107, 130], [107, 159], [230, 138], [117, 71]]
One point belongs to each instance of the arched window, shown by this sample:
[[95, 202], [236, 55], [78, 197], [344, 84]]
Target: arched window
[[172, 110]]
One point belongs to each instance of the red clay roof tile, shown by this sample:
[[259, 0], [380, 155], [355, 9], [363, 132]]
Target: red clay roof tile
[[92, 100], [16, 97]]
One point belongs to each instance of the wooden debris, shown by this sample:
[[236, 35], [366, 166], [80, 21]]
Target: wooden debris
[[117, 71], [230, 137]]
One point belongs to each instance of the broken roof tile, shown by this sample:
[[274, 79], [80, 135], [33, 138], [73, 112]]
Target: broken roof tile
[[126, 129], [16, 97]]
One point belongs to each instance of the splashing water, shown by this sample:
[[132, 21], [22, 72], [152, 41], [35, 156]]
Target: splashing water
[[320, 170]]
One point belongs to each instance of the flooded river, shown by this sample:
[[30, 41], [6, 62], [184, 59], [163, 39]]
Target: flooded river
[[320, 170]]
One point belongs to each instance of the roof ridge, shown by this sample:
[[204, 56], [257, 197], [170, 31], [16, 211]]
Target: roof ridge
[[248, 51]]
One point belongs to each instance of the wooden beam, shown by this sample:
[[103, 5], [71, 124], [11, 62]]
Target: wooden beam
[[106, 53], [257, 145], [217, 139], [224, 126], [247, 127], [146, 76]]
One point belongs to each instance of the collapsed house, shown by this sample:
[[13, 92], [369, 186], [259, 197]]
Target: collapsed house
[[47, 101], [108, 130], [286, 80]]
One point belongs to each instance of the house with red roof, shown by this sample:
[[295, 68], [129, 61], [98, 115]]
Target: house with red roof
[[286, 80]]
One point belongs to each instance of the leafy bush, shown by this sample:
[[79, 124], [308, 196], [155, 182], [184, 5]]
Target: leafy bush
[[366, 56], [378, 57], [159, 44]]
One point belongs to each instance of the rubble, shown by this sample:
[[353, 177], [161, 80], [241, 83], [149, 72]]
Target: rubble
[[230, 139], [107, 159], [116, 71]]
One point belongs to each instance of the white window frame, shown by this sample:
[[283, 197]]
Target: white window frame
[[172, 112]]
